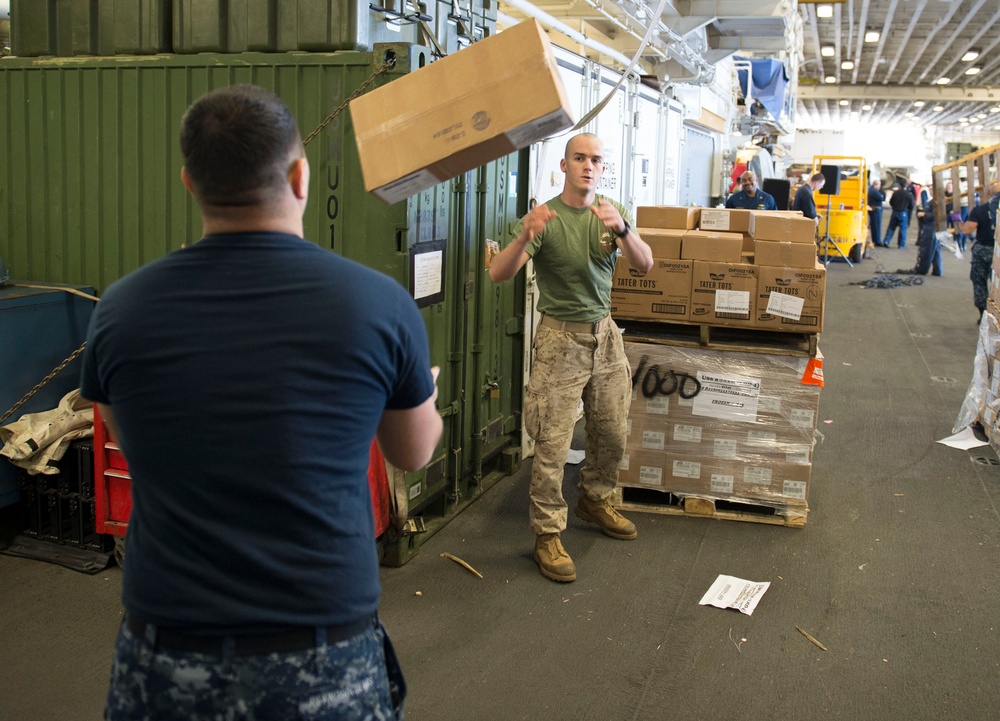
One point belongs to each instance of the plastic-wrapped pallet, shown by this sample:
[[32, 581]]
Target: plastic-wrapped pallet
[[982, 399], [722, 425]]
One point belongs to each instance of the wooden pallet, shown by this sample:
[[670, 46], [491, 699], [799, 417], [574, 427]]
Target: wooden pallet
[[712, 337], [650, 501]]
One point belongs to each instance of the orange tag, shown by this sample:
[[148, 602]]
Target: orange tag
[[814, 373]]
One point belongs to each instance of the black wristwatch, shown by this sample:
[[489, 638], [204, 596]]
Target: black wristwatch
[[624, 232]]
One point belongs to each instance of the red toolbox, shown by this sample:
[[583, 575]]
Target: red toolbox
[[113, 484]]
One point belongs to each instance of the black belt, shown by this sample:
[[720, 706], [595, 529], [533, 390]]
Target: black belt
[[298, 638], [572, 326]]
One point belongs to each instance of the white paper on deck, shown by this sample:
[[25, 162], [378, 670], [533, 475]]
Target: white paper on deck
[[732, 592]]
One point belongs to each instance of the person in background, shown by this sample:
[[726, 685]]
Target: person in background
[[244, 377], [928, 246], [751, 197], [954, 219], [574, 240], [911, 188], [875, 199], [982, 224], [804, 200], [901, 202]]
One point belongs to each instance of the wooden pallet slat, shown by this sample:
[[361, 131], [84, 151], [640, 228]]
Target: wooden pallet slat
[[713, 337], [776, 514]]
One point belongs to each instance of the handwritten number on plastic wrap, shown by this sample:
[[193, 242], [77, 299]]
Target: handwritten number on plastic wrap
[[667, 383]]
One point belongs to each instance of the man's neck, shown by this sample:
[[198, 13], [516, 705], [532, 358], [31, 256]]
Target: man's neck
[[578, 200], [251, 220]]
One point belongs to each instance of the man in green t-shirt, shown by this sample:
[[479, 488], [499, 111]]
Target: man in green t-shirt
[[574, 241]]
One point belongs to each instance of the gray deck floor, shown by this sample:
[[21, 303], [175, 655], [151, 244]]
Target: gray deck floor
[[895, 573]]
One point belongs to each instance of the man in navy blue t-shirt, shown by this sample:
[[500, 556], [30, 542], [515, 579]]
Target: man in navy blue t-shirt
[[245, 377], [982, 224]]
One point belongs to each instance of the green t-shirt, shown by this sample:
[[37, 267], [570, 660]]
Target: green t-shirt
[[574, 258]]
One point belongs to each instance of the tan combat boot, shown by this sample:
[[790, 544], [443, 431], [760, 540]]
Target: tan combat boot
[[553, 561], [612, 523]]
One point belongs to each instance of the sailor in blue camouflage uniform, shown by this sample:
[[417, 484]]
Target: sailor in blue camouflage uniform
[[245, 377], [982, 225]]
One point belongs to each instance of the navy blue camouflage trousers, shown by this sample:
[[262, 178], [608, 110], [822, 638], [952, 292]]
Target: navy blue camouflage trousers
[[982, 264], [357, 679]]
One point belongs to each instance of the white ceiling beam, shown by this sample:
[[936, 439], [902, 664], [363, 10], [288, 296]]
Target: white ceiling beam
[[930, 94]]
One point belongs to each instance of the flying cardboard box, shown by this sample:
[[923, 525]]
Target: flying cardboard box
[[476, 105], [667, 216]]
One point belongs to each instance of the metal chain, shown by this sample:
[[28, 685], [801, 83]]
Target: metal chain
[[387, 65], [56, 371]]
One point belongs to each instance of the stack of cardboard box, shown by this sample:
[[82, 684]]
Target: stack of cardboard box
[[723, 267], [724, 425]]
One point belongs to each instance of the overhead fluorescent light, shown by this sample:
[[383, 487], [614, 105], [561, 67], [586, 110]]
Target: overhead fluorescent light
[[866, 106], [938, 108], [973, 71], [830, 79], [847, 65], [827, 51], [824, 11], [970, 56], [995, 110], [845, 102], [942, 81], [872, 36], [909, 114], [919, 104]]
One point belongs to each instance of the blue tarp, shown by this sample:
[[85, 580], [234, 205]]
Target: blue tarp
[[769, 81]]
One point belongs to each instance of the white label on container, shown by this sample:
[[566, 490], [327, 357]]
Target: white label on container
[[415, 490], [651, 475], [428, 274], [689, 434], [802, 418], [628, 426], [732, 301], [725, 448], [769, 404], [687, 469], [543, 127], [761, 439], [784, 305], [685, 402], [653, 440], [757, 475], [721, 484], [403, 188], [727, 397], [658, 405], [798, 453], [794, 489], [714, 219], [623, 465]]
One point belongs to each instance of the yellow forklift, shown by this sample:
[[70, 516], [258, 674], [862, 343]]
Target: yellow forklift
[[843, 213]]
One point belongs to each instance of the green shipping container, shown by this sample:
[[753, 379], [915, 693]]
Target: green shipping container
[[91, 191], [89, 27]]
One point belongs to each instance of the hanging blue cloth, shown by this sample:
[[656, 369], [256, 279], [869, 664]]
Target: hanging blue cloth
[[769, 81]]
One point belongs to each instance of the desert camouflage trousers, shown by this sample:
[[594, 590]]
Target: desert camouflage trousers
[[357, 679], [567, 367]]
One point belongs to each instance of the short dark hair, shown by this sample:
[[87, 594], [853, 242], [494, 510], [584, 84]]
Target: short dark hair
[[238, 142], [817, 176]]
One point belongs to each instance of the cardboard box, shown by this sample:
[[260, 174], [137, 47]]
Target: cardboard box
[[723, 293], [667, 216], [725, 220], [778, 253], [709, 245], [476, 105], [772, 226], [664, 293], [664, 242], [791, 299]]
